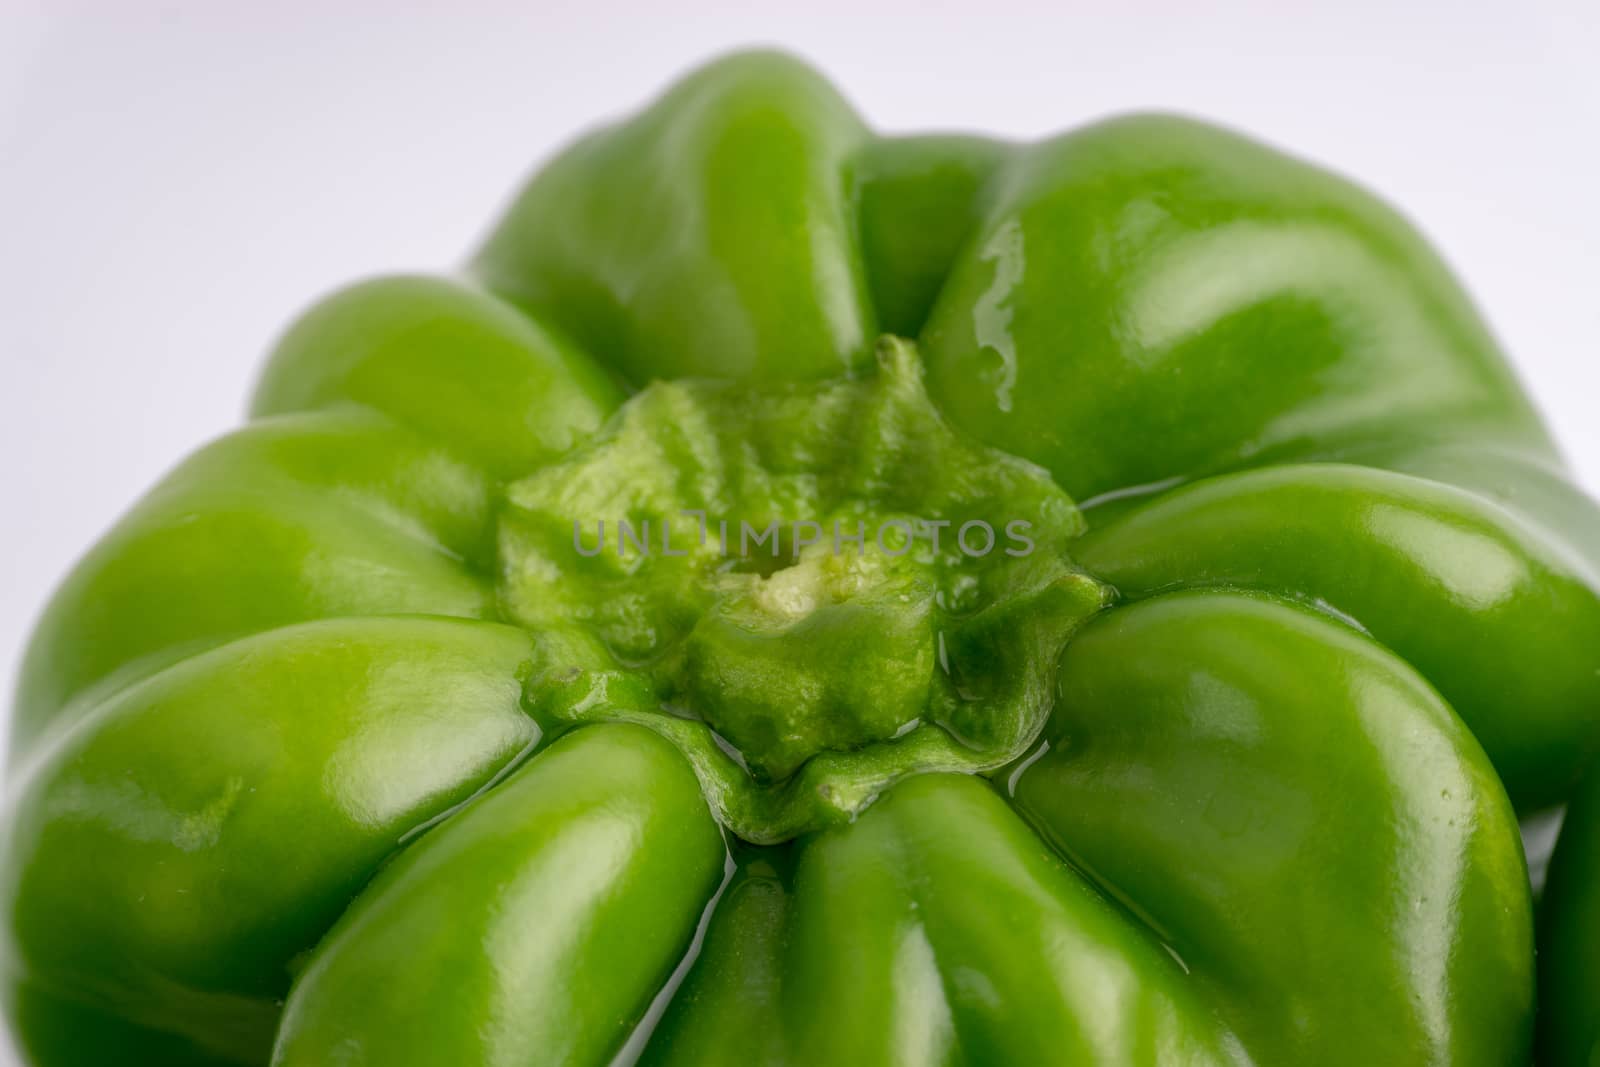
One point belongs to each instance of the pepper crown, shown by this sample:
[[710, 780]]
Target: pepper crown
[[812, 589]]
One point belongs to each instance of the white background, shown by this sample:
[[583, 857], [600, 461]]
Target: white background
[[177, 180]]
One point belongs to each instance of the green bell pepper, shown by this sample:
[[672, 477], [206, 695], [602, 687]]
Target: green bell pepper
[[1569, 938], [805, 596]]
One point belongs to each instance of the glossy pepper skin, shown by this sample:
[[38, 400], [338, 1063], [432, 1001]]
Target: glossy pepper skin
[[338, 749]]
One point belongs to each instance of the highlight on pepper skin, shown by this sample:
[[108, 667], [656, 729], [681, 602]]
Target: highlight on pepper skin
[[1235, 606]]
